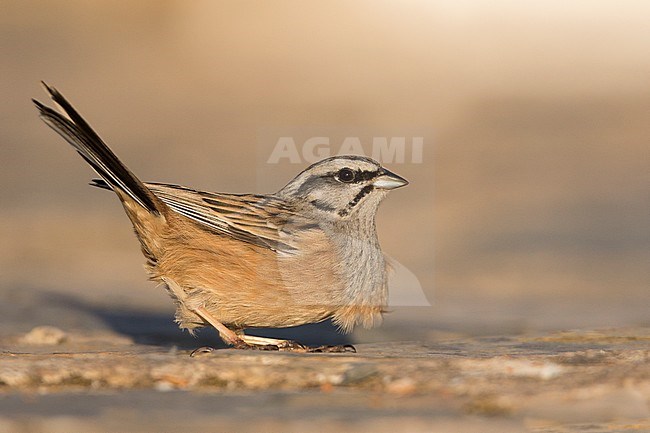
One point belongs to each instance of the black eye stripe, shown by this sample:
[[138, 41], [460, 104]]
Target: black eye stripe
[[360, 175], [367, 175]]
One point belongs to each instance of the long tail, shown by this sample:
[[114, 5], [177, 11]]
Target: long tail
[[81, 136]]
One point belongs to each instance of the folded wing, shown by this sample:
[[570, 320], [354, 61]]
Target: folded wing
[[256, 219]]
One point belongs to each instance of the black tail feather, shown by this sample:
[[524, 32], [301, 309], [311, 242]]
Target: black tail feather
[[100, 183], [90, 146]]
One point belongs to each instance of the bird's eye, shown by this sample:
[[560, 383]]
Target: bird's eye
[[345, 175]]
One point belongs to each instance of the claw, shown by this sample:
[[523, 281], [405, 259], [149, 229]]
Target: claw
[[242, 345], [292, 346], [333, 349], [201, 351]]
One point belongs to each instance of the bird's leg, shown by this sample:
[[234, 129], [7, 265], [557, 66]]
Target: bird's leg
[[239, 340], [292, 346], [228, 336]]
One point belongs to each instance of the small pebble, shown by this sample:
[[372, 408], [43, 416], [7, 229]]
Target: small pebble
[[404, 386], [164, 386], [45, 335]]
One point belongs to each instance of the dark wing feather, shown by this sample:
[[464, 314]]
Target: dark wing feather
[[255, 219]]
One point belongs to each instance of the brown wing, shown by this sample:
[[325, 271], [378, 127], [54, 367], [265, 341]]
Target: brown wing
[[259, 220]]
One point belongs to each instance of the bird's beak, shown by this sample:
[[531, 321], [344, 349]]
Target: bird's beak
[[389, 180]]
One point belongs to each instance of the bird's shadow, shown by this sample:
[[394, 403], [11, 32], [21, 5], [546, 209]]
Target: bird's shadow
[[159, 328]]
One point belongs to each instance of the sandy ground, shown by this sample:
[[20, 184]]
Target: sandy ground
[[558, 382]]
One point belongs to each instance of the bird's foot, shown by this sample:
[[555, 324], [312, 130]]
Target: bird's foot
[[250, 342], [333, 349], [242, 345], [264, 343]]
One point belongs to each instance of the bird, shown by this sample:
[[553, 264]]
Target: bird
[[304, 254]]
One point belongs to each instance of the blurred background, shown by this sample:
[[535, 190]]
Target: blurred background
[[530, 209]]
